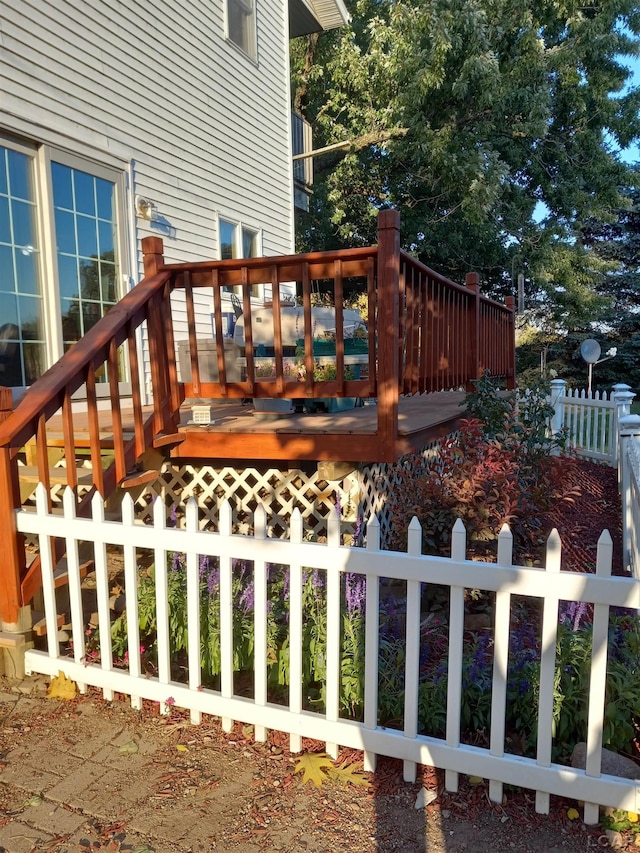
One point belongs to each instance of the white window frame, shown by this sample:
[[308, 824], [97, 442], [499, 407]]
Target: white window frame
[[43, 154], [118, 178], [257, 290], [246, 9]]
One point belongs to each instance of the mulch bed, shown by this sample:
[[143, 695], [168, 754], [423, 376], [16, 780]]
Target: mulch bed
[[580, 519]]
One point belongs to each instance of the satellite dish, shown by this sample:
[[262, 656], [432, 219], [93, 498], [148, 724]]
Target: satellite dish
[[590, 350]]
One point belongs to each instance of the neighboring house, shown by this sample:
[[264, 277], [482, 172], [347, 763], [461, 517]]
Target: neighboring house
[[123, 119]]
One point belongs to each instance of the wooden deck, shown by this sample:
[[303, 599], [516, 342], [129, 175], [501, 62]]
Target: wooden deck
[[239, 433]]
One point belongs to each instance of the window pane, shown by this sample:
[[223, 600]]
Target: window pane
[[8, 310], [106, 240], [5, 222], [108, 282], [65, 232], [30, 310], [71, 320], [89, 286], [104, 197], [62, 185], [4, 188], [84, 193], [227, 240], [240, 15], [91, 313], [7, 275], [27, 270], [68, 276], [10, 360], [87, 236], [249, 243], [34, 362], [23, 225], [19, 175]]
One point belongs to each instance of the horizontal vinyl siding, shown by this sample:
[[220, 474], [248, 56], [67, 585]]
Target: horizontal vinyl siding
[[206, 128], [156, 86]]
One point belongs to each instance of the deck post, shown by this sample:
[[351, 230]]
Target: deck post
[[153, 255], [474, 363], [387, 331], [511, 344], [12, 560]]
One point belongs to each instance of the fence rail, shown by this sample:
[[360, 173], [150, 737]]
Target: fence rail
[[336, 562], [590, 419]]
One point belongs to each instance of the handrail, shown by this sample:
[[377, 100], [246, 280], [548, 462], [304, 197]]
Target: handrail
[[67, 374]]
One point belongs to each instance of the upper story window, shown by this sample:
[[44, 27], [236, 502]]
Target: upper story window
[[239, 241], [241, 25]]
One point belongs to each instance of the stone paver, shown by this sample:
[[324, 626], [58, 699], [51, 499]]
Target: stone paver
[[16, 837], [52, 818], [74, 790]]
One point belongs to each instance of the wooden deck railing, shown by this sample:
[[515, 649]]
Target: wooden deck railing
[[424, 333]]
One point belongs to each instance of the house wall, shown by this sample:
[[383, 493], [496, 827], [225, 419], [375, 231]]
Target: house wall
[[157, 91]]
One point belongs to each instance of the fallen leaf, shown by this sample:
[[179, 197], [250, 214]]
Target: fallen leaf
[[632, 817], [475, 780], [34, 801], [61, 687], [312, 765], [129, 748], [350, 775], [182, 748], [573, 814]]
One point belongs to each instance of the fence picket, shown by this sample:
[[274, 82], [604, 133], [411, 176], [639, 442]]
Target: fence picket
[[45, 545], [162, 604], [226, 616], [295, 629], [412, 653], [75, 591], [372, 628], [456, 648], [260, 620], [333, 632], [500, 658], [548, 664], [131, 597], [598, 680], [193, 607], [102, 590]]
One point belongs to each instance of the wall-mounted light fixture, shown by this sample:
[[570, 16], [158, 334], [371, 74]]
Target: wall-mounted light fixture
[[145, 208]]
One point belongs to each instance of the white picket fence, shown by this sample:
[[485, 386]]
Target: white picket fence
[[590, 419], [629, 477], [550, 584]]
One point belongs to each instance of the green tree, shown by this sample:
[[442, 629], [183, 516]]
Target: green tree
[[466, 114]]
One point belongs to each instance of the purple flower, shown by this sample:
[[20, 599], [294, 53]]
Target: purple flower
[[357, 533], [287, 579], [173, 516], [355, 591], [338, 505], [213, 580], [247, 598], [176, 563], [203, 566]]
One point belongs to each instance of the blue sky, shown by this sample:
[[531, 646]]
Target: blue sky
[[632, 154]]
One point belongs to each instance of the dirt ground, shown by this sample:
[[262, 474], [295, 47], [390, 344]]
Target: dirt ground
[[87, 775]]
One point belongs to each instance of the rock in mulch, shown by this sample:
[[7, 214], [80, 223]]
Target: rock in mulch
[[612, 763]]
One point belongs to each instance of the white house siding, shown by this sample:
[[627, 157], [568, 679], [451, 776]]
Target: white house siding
[[156, 88]]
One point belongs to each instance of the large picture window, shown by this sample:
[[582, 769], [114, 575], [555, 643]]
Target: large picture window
[[59, 255]]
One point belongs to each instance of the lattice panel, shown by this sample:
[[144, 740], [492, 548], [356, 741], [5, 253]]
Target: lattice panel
[[279, 491], [355, 497]]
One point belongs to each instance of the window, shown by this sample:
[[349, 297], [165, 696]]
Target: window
[[241, 25], [86, 248], [22, 343], [238, 241], [59, 262]]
